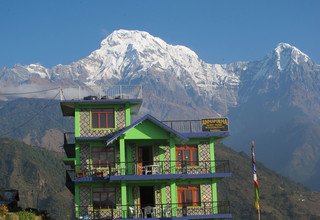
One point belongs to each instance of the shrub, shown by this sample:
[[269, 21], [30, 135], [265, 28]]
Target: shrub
[[3, 210], [23, 215], [12, 216]]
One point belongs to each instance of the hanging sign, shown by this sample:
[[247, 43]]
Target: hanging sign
[[215, 124]]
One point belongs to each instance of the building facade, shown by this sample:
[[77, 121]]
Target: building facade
[[146, 169]]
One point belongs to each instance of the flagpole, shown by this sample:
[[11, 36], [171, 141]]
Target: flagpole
[[255, 181]]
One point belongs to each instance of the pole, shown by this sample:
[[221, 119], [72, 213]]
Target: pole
[[255, 181]]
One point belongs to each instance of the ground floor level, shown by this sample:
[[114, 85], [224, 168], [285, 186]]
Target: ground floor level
[[121, 200]]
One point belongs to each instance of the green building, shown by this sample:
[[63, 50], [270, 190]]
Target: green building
[[146, 169]]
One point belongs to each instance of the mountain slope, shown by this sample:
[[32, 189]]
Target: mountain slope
[[280, 198], [39, 176], [279, 108], [38, 122]]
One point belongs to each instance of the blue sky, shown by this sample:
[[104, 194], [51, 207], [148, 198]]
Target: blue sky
[[60, 31]]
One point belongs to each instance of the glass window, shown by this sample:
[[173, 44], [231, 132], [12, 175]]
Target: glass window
[[102, 118], [102, 157], [187, 155], [189, 195], [103, 198]]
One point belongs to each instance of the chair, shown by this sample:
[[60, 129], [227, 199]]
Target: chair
[[156, 169], [131, 212], [134, 213], [147, 169], [149, 211]]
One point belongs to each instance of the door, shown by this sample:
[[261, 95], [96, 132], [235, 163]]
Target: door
[[147, 196], [144, 158]]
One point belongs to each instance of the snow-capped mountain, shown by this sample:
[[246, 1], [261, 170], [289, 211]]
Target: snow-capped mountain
[[279, 107], [275, 100], [131, 56]]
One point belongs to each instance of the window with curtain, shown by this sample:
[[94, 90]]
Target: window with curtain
[[104, 198], [187, 154], [102, 118], [103, 157], [188, 195]]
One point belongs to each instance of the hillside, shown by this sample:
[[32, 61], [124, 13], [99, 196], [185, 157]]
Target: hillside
[[36, 122], [38, 174], [280, 197]]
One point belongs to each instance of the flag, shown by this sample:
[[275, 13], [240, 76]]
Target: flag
[[255, 179]]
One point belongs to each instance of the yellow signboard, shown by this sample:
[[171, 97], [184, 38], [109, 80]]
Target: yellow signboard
[[215, 124]]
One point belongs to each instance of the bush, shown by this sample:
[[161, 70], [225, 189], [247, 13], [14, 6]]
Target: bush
[[12, 216], [23, 215], [3, 210]]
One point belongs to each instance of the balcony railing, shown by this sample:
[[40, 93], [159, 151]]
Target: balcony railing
[[103, 92], [155, 168], [185, 126], [167, 210]]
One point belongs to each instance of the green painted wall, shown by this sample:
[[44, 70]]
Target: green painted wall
[[172, 156], [146, 130], [122, 155], [212, 156], [214, 195], [124, 199], [77, 122], [128, 114], [174, 197]]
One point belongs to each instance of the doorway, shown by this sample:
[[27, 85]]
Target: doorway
[[147, 196], [144, 157]]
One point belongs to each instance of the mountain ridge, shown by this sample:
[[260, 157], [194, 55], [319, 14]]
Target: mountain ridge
[[268, 100]]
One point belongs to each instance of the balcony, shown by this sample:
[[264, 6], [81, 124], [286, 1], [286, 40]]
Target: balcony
[[69, 144], [156, 170], [103, 92], [206, 210], [217, 126]]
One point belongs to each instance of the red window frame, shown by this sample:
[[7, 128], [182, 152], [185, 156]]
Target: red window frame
[[187, 153], [108, 193], [102, 118], [109, 152], [188, 195]]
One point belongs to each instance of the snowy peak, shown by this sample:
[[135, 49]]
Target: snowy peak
[[38, 69], [285, 53], [150, 51]]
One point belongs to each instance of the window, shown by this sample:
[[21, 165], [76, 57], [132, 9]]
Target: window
[[102, 157], [104, 198], [102, 118], [189, 195], [187, 154]]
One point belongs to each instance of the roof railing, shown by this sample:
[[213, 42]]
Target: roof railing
[[185, 126], [102, 92]]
